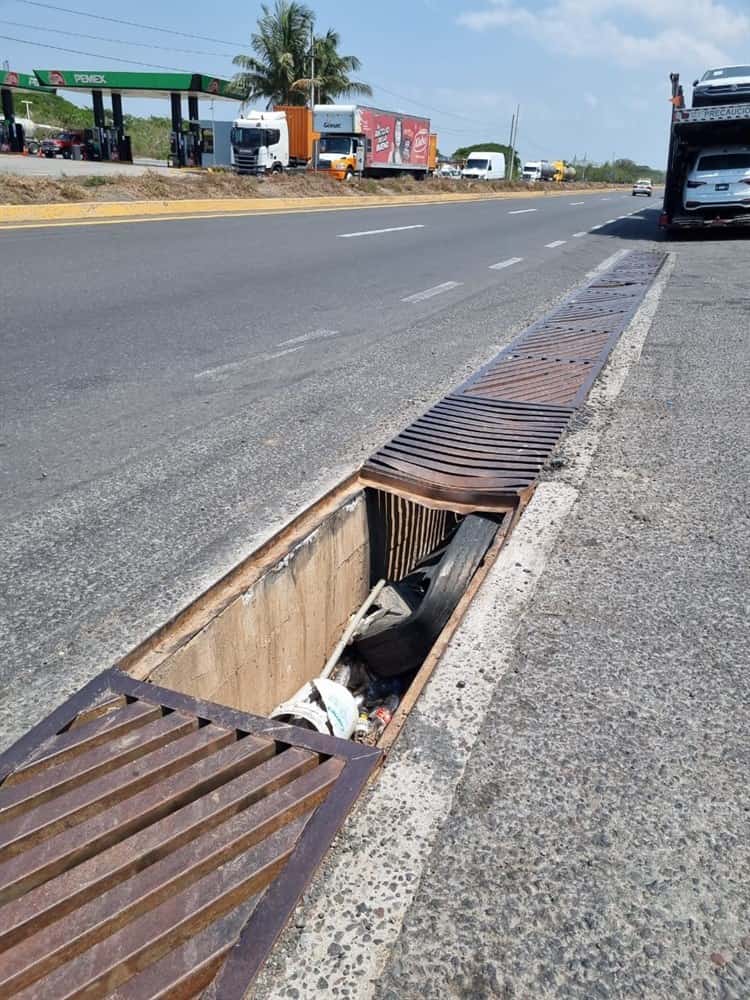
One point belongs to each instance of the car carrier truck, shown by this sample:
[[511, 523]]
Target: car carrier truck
[[368, 142], [693, 130]]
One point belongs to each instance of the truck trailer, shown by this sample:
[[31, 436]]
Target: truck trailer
[[369, 142], [693, 130]]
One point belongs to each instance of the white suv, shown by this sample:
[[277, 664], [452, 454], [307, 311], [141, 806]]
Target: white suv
[[727, 85], [719, 179]]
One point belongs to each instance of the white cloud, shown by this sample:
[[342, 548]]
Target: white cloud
[[702, 32]]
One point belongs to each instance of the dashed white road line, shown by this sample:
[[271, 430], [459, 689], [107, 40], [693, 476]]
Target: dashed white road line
[[555, 243], [505, 263], [428, 293], [609, 222], [594, 228], [579, 234], [306, 337], [236, 365], [377, 232], [578, 203], [522, 211]]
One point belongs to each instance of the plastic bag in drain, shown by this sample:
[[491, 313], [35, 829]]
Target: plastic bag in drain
[[322, 705]]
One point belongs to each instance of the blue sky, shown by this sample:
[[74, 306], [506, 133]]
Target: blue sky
[[591, 76]]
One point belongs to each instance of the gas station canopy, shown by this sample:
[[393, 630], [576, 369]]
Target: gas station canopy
[[11, 80], [139, 84]]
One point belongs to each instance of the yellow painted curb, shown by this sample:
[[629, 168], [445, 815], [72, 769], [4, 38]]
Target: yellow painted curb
[[94, 210]]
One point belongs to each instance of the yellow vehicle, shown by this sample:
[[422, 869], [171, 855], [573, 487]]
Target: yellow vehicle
[[563, 172]]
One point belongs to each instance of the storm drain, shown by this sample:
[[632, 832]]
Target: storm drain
[[157, 830], [485, 443], [148, 840]]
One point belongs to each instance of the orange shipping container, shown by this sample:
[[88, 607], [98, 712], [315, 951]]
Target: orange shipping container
[[301, 136], [432, 155]]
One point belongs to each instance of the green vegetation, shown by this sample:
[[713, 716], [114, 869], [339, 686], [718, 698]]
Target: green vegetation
[[489, 147], [280, 70], [620, 172]]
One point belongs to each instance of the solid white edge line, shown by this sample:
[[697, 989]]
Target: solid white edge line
[[377, 232], [505, 263], [555, 243], [428, 293]]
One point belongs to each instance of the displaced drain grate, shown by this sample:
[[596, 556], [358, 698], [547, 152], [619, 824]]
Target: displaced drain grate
[[471, 451], [487, 441], [141, 843]]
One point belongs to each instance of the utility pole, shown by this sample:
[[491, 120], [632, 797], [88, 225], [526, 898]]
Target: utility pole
[[514, 142], [312, 66]]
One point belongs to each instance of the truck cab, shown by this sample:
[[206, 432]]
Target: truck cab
[[343, 155], [260, 143]]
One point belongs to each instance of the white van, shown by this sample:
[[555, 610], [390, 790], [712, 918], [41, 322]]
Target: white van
[[483, 166]]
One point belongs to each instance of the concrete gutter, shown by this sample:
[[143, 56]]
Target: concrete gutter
[[342, 935], [93, 211]]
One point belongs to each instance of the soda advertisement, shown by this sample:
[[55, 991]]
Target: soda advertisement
[[397, 140]]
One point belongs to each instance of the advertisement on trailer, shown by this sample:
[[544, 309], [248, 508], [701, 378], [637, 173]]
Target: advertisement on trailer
[[397, 140]]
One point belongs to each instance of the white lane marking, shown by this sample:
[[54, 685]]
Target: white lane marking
[[579, 234], [605, 199], [578, 203], [306, 337], [377, 232], [593, 228], [522, 211], [555, 243], [505, 263], [609, 222], [235, 365], [428, 293]]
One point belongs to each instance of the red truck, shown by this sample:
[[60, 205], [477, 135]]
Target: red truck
[[62, 144], [371, 143]]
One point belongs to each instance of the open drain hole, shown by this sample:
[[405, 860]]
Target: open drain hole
[[287, 646]]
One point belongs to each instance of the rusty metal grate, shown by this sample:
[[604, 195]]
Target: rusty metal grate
[[150, 843], [485, 455], [471, 450]]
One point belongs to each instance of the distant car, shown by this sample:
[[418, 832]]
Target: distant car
[[449, 172], [726, 85], [61, 144], [643, 186], [719, 180]]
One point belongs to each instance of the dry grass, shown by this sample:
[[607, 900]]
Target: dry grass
[[152, 186]]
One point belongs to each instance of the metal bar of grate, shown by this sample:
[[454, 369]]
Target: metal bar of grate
[[493, 454], [143, 832]]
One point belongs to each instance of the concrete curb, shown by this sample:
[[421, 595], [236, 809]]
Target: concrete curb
[[106, 210]]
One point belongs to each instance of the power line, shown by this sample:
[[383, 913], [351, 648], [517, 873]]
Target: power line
[[115, 41], [131, 24], [94, 55], [427, 107]]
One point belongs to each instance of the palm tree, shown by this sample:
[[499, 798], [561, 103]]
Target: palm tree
[[332, 71], [281, 46], [279, 72]]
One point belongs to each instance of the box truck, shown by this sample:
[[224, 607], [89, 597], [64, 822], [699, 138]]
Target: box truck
[[272, 141], [369, 142]]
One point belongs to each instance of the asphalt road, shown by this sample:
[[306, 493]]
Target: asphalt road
[[172, 391]]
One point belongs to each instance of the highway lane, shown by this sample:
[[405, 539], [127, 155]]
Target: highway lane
[[171, 391]]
